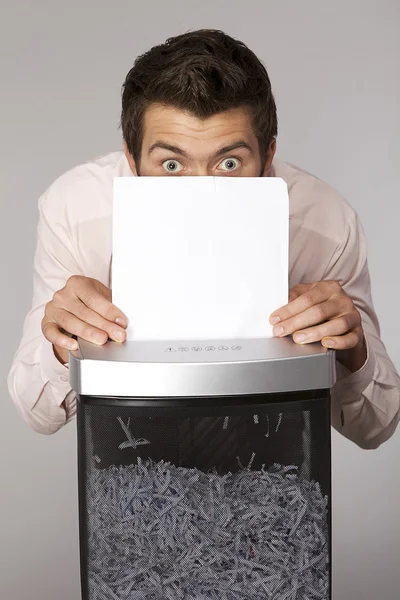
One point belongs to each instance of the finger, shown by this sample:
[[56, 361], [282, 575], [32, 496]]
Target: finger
[[343, 342], [320, 292], [71, 324], [87, 315], [98, 297], [53, 334], [336, 327], [295, 293], [71, 305], [299, 289], [315, 315]]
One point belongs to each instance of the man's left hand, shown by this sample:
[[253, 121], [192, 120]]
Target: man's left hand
[[323, 312]]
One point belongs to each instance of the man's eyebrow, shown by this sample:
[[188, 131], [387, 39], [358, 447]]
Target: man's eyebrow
[[221, 151], [169, 147], [234, 146]]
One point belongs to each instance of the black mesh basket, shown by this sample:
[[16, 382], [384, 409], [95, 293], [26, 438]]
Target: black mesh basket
[[222, 497]]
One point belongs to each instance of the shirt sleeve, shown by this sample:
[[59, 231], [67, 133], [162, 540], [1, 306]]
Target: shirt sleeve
[[365, 404], [38, 383]]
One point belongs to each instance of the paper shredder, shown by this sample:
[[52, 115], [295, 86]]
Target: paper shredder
[[204, 469]]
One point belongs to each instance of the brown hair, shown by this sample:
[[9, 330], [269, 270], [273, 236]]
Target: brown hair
[[203, 72]]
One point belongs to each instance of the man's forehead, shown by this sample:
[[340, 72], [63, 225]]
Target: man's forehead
[[166, 121]]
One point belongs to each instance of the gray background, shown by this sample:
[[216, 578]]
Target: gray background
[[334, 69]]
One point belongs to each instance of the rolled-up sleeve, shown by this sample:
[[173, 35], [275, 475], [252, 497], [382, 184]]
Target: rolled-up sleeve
[[365, 404], [38, 383]]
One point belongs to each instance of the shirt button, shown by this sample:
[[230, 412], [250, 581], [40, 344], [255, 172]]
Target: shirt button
[[64, 378]]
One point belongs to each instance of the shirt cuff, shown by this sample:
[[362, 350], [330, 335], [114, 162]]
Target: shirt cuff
[[56, 373], [356, 383]]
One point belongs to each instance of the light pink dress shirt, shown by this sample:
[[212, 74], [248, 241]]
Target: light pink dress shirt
[[74, 237]]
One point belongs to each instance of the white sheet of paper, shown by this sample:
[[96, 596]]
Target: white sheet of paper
[[198, 258]]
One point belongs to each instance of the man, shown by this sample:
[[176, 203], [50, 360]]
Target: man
[[201, 104]]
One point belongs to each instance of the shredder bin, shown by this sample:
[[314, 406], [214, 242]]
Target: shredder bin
[[204, 469]]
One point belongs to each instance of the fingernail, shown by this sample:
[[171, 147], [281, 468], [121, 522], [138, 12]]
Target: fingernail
[[274, 320], [98, 337], [300, 337], [120, 321], [72, 345], [118, 335], [278, 330], [329, 343]]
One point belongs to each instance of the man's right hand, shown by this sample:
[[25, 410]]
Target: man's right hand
[[82, 308]]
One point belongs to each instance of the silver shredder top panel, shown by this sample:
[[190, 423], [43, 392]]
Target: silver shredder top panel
[[200, 368]]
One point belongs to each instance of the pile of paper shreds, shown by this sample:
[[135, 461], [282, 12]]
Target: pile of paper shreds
[[157, 531]]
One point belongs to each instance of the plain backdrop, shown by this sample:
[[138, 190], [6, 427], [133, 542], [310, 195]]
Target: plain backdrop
[[335, 70]]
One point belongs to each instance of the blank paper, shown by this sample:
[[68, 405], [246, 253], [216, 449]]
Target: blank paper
[[200, 257]]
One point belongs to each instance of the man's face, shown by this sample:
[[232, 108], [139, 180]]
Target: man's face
[[177, 143]]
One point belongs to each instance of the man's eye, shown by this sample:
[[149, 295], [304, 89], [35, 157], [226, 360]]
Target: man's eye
[[230, 164], [172, 166]]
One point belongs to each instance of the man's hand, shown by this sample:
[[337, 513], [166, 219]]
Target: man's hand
[[82, 308], [323, 312]]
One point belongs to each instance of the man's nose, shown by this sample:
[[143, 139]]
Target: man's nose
[[200, 170]]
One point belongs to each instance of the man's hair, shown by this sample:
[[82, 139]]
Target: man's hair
[[203, 72]]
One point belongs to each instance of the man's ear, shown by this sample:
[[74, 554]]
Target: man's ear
[[270, 157], [130, 159]]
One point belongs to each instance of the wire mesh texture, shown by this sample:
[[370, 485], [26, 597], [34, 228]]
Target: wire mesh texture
[[208, 506]]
